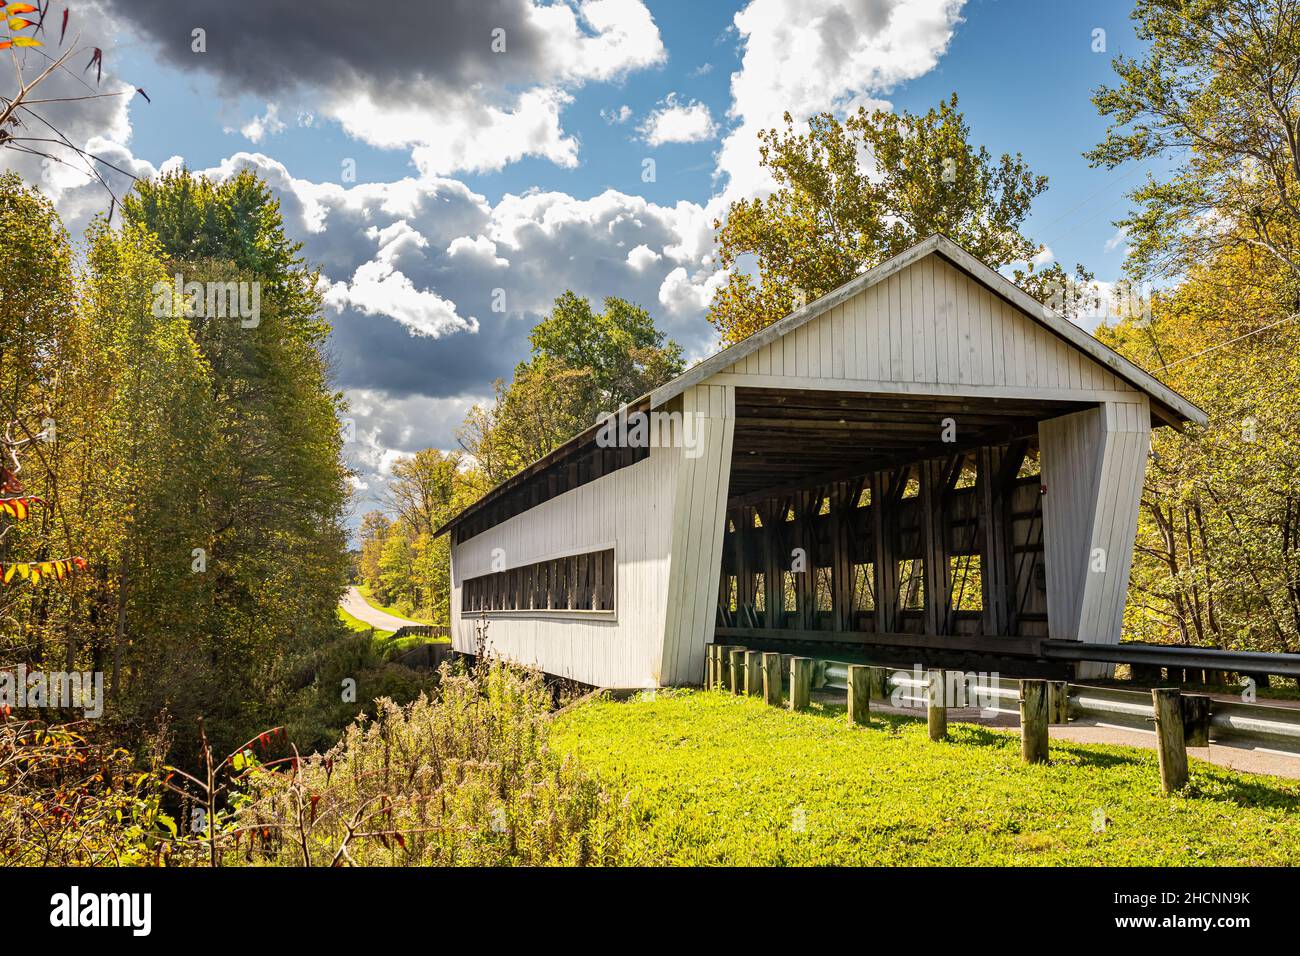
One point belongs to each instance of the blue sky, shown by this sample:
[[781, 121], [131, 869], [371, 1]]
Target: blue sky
[[1024, 72], [520, 170]]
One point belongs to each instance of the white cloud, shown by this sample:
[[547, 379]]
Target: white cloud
[[464, 134], [1117, 240], [675, 122], [620, 115], [624, 38], [482, 129], [478, 249], [259, 127], [683, 296], [642, 257], [807, 56], [379, 288]]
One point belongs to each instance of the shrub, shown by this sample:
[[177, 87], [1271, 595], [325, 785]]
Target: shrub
[[465, 777], [67, 800]]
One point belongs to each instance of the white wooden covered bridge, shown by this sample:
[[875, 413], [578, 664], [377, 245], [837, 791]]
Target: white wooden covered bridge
[[925, 465]]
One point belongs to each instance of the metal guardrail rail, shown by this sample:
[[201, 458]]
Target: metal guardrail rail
[[1233, 722], [1166, 655]]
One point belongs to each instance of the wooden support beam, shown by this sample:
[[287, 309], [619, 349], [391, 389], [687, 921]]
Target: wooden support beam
[[1196, 719], [936, 705], [1033, 721], [800, 682], [754, 673], [934, 549], [772, 678], [773, 517], [1058, 702], [859, 693], [885, 540], [736, 673], [1170, 738], [880, 683], [991, 503]]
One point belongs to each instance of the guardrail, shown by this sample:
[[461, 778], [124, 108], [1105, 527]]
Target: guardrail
[[422, 630], [1178, 720], [1168, 655]]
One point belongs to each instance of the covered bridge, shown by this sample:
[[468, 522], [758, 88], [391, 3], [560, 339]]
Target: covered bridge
[[925, 465]]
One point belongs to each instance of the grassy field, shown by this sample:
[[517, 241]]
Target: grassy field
[[716, 779]]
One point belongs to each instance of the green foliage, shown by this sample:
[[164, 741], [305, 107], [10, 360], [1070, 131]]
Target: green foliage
[[1218, 550], [464, 778], [1215, 92], [720, 780], [583, 363], [275, 486], [316, 714], [172, 431], [68, 798], [834, 215]]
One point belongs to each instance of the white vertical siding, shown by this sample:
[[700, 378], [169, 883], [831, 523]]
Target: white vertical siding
[[928, 325], [697, 533], [631, 508], [1093, 464]]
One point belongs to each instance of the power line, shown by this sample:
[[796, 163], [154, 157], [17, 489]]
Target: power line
[[1212, 348]]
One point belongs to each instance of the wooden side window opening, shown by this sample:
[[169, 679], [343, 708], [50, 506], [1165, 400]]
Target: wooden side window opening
[[579, 582]]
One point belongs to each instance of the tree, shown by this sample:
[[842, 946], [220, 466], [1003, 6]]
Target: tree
[[1218, 92], [618, 353], [832, 217], [582, 364], [422, 490], [275, 490], [1217, 560], [375, 526]]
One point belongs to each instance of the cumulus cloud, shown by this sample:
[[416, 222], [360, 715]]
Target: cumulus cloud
[[388, 427], [268, 124], [807, 56], [620, 115], [467, 84], [677, 122]]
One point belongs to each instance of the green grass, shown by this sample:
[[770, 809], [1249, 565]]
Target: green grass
[[716, 779], [356, 624]]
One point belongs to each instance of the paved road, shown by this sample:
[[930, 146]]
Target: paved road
[[356, 605]]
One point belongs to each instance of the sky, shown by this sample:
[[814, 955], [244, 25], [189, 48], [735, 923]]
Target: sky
[[452, 167]]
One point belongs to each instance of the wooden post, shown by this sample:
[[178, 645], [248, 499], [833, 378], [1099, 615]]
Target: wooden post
[[1033, 721], [710, 663], [1196, 720], [859, 693], [754, 673], [1058, 702], [880, 683], [936, 711], [772, 678], [1169, 733], [737, 670], [800, 682]]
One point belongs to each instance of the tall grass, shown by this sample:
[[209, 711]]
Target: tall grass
[[463, 777]]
